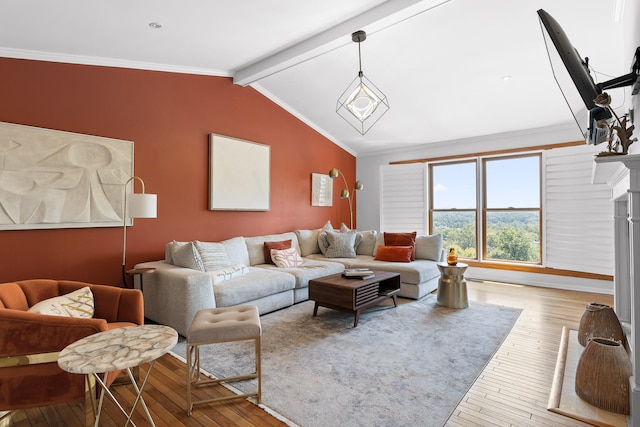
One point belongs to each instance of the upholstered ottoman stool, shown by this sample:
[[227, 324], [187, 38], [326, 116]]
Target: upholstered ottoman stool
[[218, 325]]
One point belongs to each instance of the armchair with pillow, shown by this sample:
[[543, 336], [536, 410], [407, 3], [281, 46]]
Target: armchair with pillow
[[39, 318]]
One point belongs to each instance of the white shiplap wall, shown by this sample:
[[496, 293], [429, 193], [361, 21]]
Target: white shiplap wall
[[578, 217], [403, 196]]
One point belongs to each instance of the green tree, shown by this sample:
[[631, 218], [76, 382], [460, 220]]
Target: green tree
[[513, 244]]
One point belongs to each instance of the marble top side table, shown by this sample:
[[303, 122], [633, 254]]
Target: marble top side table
[[119, 349]]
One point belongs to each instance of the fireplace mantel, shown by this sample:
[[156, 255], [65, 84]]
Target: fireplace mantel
[[622, 174]]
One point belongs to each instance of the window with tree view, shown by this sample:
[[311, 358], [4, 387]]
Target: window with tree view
[[512, 209], [506, 201], [454, 206]]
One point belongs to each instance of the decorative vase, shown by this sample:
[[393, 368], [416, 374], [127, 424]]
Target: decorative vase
[[602, 376], [599, 321], [452, 258]]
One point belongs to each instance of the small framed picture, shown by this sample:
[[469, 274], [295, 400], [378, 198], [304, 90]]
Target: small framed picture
[[321, 190]]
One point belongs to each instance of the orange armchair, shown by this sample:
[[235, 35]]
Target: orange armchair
[[29, 342]]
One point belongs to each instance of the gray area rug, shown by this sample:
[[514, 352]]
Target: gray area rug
[[403, 366]]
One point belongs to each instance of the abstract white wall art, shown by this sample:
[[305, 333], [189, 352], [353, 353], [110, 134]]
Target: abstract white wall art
[[56, 179], [239, 174], [321, 190]]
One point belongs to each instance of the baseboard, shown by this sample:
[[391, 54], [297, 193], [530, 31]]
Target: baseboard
[[542, 280]]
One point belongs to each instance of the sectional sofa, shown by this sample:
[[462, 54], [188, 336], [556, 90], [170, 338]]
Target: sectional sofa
[[238, 271]]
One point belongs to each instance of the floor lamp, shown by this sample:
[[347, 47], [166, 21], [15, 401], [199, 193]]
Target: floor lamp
[[136, 205], [345, 194]]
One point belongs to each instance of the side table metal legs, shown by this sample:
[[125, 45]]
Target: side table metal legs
[[139, 398], [452, 287]]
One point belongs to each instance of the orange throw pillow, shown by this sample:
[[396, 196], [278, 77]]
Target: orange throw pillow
[[285, 244], [402, 239], [394, 253]]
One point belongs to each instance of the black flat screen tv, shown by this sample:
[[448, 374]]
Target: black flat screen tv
[[571, 72]]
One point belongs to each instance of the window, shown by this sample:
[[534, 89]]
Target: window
[[512, 209], [454, 206], [503, 193]]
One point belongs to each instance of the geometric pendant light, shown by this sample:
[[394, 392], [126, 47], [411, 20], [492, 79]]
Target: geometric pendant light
[[362, 103]]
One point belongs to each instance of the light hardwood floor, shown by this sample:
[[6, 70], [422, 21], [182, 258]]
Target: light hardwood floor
[[513, 389]]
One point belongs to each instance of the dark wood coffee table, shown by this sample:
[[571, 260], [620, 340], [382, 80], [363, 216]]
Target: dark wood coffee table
[[353, 295]]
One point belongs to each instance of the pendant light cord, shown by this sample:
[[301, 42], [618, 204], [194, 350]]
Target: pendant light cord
[[360, 74]]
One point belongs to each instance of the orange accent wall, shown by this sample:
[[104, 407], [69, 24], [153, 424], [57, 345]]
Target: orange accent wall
[[169, 117]]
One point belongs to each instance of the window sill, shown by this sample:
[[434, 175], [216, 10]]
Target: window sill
[[538, 269]]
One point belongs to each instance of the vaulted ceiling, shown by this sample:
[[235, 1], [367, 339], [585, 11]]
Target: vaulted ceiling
[[451, 69]]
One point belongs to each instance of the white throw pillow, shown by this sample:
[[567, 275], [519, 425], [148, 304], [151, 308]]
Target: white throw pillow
[[286, 257], [227, 273], [74, 304], [429, 247], [368, 242], [214, 256]]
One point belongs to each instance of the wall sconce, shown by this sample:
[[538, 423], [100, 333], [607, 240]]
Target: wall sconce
[[138, 205], [345, 194]]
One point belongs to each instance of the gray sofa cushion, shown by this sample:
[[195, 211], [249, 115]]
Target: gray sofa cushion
[[310, 269], [308, 241], [237, 250], [368, 242], [260, 282]]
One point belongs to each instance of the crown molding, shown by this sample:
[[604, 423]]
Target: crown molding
[[107, 62]]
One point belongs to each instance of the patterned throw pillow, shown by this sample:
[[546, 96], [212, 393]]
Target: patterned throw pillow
[[340, 245], [186, 256], [394, 253], [284, 244], [401, 239], [214, 256], [228, 273], [286, 257], [323, 243], [75, 304]]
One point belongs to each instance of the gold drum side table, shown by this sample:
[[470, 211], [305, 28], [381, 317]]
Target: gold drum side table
[[452, 286]]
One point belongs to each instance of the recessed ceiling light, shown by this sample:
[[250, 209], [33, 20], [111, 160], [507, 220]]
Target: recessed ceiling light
[[506, 78], [155, 25]]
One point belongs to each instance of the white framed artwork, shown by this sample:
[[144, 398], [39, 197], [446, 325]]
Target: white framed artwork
[[321, 190], [239, 174], [57, 179]]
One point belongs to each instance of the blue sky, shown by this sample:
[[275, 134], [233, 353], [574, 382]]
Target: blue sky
[[512, 182]]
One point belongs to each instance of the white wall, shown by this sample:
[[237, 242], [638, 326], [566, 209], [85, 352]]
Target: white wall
[[368, 166]]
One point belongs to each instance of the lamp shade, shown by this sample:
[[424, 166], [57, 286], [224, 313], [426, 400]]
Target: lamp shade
[[141, 205]]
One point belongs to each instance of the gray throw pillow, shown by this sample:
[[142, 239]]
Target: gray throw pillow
[[186, 256], [429, 247], [340, 245]]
